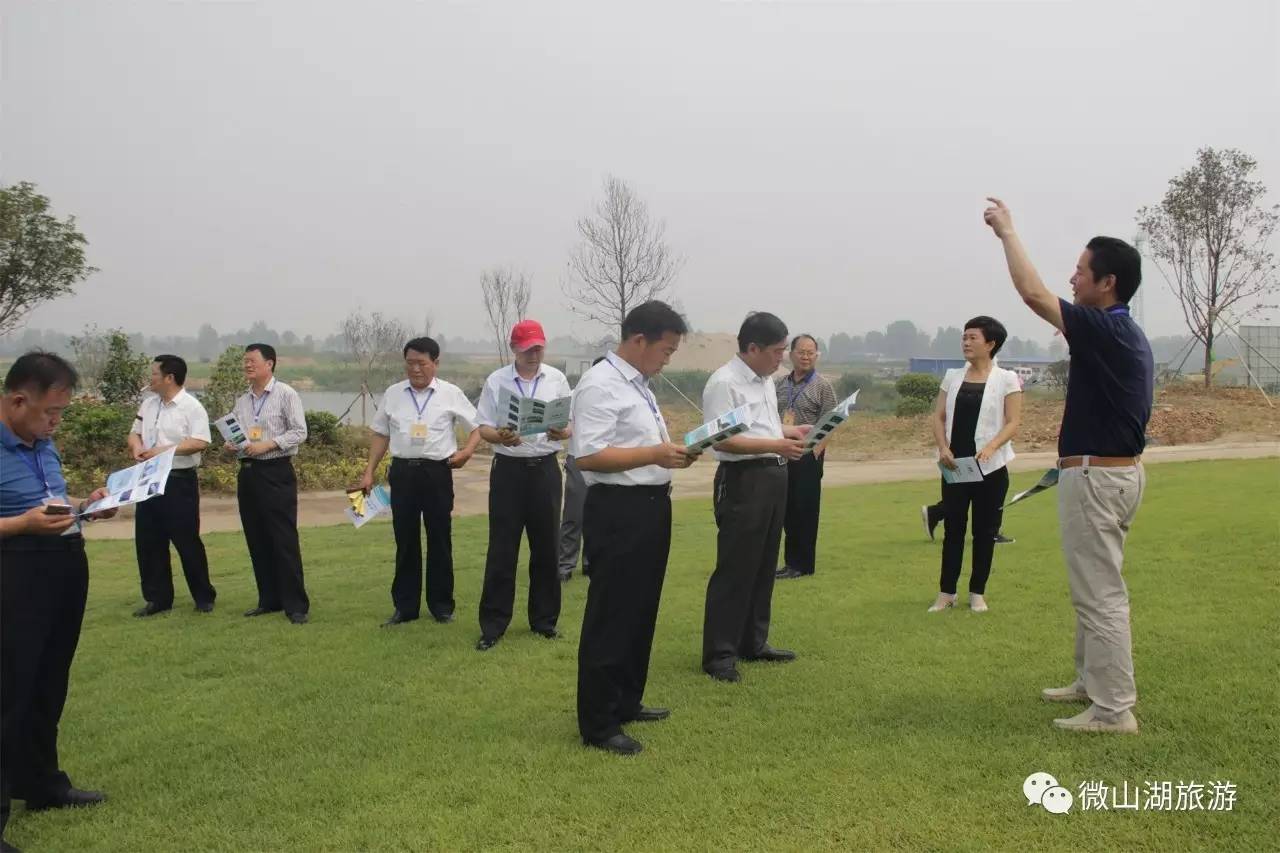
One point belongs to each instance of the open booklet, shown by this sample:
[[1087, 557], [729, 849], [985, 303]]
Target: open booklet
[[828, 422], [364, 508], [135, 484], [967, 470], [1047, 481], [528, 416], [727, 425]]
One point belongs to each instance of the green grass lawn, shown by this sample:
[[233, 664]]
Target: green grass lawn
[[894, 730]]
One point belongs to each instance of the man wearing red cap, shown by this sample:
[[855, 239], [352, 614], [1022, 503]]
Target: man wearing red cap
[[524, 491]]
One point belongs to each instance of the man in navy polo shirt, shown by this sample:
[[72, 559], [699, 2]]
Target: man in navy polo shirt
[[45, 583], [1110, 386]]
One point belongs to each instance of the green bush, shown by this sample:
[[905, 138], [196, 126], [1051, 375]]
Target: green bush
[[910, 407], [92, 442], [918, 386], [850, 382], [322, 428]]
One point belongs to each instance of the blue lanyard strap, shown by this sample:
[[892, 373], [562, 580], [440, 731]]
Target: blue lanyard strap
[[36, 466], [647, 395], [423, 407], [1119, 309], [256, 406], [534, 392], [797, 390]]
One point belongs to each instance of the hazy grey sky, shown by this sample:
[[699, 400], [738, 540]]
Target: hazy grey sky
[[827, 161]]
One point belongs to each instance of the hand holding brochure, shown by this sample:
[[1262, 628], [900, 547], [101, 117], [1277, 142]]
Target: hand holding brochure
[[528, 416], [829, 421], [727, 425], [364, 508], [967, 471], [231, 431], [136, 484]]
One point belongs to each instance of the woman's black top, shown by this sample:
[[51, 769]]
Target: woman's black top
[[964, 420]]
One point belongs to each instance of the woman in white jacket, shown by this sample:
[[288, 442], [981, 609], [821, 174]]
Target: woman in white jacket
[[977, 413]]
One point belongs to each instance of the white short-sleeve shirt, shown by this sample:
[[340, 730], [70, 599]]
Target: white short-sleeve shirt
[[549, 384], [420, 423], [613, 407], [736, 384], [162, 424]]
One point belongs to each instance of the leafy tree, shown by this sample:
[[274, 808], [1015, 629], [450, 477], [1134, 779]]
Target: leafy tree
[[41, 257]]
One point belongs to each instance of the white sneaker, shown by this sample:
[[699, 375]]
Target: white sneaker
[[1073, 692], [1090, 720], [977, 603], [944, 602]]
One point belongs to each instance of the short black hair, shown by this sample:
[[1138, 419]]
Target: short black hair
[[172, 365], [992, 330], [762, 329], [39, 371], [798, 338], [653, 319], [1112, 256], [268, 352], [426, 346]]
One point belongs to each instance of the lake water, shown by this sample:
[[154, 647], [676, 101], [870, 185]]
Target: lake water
[[337, 402]]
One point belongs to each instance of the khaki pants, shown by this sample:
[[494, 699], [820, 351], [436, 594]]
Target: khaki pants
[[1096, 506]]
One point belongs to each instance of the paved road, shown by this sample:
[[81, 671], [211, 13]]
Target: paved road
[[471, 484]]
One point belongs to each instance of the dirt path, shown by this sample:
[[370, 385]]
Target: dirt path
[[471, 484]]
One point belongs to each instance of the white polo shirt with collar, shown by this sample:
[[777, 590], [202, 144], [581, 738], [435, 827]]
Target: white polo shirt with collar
[[420, 424], [549, 384], [736, 384]]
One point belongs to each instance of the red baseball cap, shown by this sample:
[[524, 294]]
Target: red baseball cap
[[527, 334]]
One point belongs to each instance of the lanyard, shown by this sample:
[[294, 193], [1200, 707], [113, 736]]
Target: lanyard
[[1119, 309], [36, 466], [797, 390], [423, 407], [534, 392], [648, 398], [258, 406]]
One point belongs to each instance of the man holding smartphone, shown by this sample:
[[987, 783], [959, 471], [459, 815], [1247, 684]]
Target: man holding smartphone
[[46, 583]]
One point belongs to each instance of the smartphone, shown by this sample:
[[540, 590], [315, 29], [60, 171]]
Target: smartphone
[[57, 509]]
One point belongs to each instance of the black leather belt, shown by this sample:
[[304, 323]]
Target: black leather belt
[[528, 461], [413, 463], [767, 462], [662, 490], [249, 463], [182, 472]]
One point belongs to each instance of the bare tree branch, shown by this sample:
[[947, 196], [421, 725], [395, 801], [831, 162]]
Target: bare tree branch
[[506, 296], [621, 261]]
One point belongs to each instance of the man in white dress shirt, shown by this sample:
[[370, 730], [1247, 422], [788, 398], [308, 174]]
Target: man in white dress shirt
[[171, 418], [416, 423], [750, 501], [621, 443], [524, 491]]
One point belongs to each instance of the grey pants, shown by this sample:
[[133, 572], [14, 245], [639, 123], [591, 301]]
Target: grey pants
[[1096, 506], [575, 497]]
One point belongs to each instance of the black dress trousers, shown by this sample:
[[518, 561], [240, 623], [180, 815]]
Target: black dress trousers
[[524, 499], [804, 503], [750, 502], [422, 496], [268, 495], [172, 517], [627, 538]]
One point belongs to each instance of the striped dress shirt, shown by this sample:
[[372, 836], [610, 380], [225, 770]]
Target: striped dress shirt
[[279, 412]]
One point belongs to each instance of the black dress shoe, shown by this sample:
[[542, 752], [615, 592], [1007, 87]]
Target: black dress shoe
[[204, 606], [619, 744], [261, 611], [548, 633], [487, 643], [398, 618], [932, 515], [298, 618], [727, 673], [150, 609], [70, 798], [650, 715], [769, 653], [1001, 539], [789, 573], [443, 618]]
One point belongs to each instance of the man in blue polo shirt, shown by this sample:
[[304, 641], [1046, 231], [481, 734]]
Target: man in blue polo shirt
[[1110, 386], [45, 583]]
